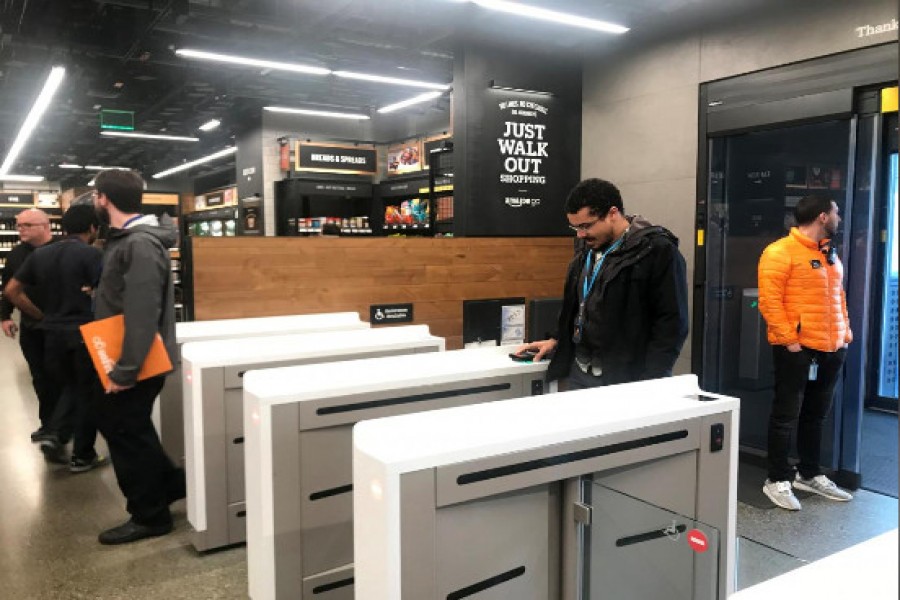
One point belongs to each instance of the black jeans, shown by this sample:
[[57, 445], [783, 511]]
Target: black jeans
[[803, 404], [147, 477], [67, 361], [31, 340]]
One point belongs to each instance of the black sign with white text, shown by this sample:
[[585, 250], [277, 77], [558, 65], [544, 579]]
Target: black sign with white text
[[24, 198], [524, 149], [344, 159], [389, 314], [526, 167]]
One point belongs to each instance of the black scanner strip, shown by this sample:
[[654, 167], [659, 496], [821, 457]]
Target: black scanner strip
[[327, 587], [570, 457], [344, 408], [342, 489], [488, 583]]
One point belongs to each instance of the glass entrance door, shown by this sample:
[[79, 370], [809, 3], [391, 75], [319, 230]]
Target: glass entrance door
[[884, 388], [755, 180]]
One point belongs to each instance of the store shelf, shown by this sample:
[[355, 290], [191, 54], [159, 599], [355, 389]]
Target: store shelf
[[407, 227]]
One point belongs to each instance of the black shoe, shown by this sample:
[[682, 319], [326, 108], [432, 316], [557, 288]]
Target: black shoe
[[131, 532], [40, 434], [81, 465], [54, 451]]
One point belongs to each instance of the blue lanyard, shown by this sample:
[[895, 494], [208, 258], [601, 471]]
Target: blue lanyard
[[589, 285], [131, 220]]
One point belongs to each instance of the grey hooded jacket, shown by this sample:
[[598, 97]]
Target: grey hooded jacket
[[136, 281]]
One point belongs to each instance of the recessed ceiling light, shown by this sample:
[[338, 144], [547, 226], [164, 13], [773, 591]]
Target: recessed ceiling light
[[542, 14], [69, 166], [210, 125], [409, 102], [194, 163], [119, 85], [150, 136], [315, 113], [393, 80], [251, 62]]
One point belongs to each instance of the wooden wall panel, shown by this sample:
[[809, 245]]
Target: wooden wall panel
[[252, 277]]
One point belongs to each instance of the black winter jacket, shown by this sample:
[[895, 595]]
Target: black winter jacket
[[636, 312]]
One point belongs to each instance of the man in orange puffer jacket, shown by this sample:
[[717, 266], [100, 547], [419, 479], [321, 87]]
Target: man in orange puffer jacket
[[801, 296]]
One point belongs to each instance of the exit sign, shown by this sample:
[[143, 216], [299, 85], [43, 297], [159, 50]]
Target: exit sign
[[122, 120]]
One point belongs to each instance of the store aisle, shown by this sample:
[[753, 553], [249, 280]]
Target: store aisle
[[49, 521]]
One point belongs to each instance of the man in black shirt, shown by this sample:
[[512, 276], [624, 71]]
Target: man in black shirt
[[65, 275], [33, 226]]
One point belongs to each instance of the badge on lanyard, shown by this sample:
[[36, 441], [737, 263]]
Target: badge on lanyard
[[579, 323], [588, 285]]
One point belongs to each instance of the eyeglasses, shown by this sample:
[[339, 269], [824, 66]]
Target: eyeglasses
[[583, 227], [29, 225]]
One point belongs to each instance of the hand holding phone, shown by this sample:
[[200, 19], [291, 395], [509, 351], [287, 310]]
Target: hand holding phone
[[524, 356]]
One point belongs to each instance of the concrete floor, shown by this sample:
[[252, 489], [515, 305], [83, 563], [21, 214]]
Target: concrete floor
[[49, 521]]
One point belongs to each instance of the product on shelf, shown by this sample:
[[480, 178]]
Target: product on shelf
[[410, 214]]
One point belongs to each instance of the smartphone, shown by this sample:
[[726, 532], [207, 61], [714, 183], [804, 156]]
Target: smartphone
[[525, 356]]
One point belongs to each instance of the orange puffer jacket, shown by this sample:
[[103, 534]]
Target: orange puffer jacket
[[801, 296]]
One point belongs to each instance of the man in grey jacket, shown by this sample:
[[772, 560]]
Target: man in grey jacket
[[136, 283]]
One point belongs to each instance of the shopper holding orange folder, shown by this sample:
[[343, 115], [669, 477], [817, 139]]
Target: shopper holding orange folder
[[136, 284]]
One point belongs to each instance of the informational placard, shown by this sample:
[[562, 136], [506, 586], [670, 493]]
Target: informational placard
[[251, 216], [17, 198], [121, 120], [405, 157], [327, 158], [47, 200], [523, 151], [409, 187], [160, 199], [524, 168], [512, 324], [390, 314]]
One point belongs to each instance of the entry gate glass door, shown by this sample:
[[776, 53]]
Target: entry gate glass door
[[634, 550], [755, 181]]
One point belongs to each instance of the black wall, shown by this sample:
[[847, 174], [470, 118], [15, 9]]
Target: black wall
[[483, 204]]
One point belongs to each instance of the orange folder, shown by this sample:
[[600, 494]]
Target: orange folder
[[103, 339]]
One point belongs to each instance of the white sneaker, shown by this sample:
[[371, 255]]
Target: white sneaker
[[822, 486], [781, 494]]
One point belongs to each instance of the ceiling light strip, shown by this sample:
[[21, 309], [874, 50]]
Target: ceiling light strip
[[315, 113], [34, 115], [252, 62], [409, 102], [543, 14], [210, 125], [298, 68], [150, 136], [194, 163], [393, 80], [30, 178]]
